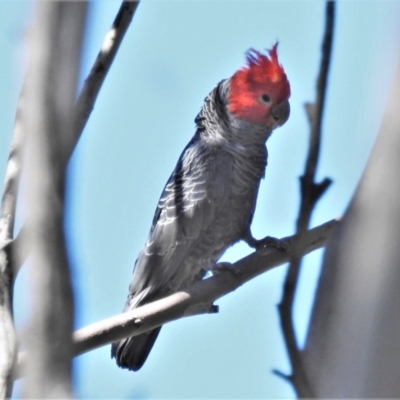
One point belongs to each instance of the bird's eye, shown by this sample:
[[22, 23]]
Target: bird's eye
[[265, 98]]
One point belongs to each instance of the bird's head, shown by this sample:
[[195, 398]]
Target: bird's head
[[260, 91]]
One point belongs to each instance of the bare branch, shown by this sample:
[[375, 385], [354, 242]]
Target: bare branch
[[196, 299], [310, 193], [13, 172], [98, 73], [7, 221], [14, 252], [315, 111], [88, 96], [7, 332], [55, 48]]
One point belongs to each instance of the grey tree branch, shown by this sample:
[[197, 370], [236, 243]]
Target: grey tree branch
[[86, 101], [7, 221], [13, 252], [196, 299], [9, 199], [310, 194], [7, 332], [98, 73], [54, 59]]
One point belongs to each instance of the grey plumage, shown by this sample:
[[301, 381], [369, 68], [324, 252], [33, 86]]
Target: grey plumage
[[206, 206]]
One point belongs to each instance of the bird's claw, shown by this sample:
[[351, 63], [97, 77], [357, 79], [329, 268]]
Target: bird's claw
[[224, 266], [269, 241]]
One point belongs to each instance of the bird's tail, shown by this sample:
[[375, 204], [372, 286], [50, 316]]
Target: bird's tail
[[131, 353]]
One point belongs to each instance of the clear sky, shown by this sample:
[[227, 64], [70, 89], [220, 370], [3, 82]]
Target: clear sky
[[173, 55]]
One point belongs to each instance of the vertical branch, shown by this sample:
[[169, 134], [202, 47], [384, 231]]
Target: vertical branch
[[7, 333], [55, 48], [7, 221], [310, 194], [14, 251], [11, 181]]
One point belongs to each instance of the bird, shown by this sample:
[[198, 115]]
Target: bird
[[208, 202]]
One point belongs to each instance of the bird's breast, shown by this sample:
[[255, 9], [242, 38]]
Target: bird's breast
[[234, 195]]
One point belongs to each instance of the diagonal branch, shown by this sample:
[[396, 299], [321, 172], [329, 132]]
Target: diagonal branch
[[196, 299], [86, 101], [98, 73], [311, 192]]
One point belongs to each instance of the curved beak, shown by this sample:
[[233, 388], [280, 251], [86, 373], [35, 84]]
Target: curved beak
[[281, 113]]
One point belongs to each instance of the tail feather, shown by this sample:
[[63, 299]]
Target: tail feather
[[131, 353]]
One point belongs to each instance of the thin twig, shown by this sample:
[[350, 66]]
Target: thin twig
[[311, 192], [98, 73], [196, 299]]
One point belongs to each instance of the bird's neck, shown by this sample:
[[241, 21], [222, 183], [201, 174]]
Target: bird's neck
[[216, 125]]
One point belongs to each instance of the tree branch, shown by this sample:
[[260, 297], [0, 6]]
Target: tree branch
[[311, 192], [102, 65], [13, 252], [54, 58], [7, 261], [196, 299], [13, 172], [7, 332], [87, 99]]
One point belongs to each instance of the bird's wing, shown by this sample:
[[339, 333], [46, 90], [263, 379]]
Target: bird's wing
[[186, 208]]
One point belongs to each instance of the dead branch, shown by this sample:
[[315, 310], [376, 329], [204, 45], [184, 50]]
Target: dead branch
[[311, 192]]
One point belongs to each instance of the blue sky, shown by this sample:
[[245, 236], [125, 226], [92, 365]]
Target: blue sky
[[173, 55]]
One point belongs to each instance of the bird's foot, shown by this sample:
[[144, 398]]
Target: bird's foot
[[268, 241], [224, 266]]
